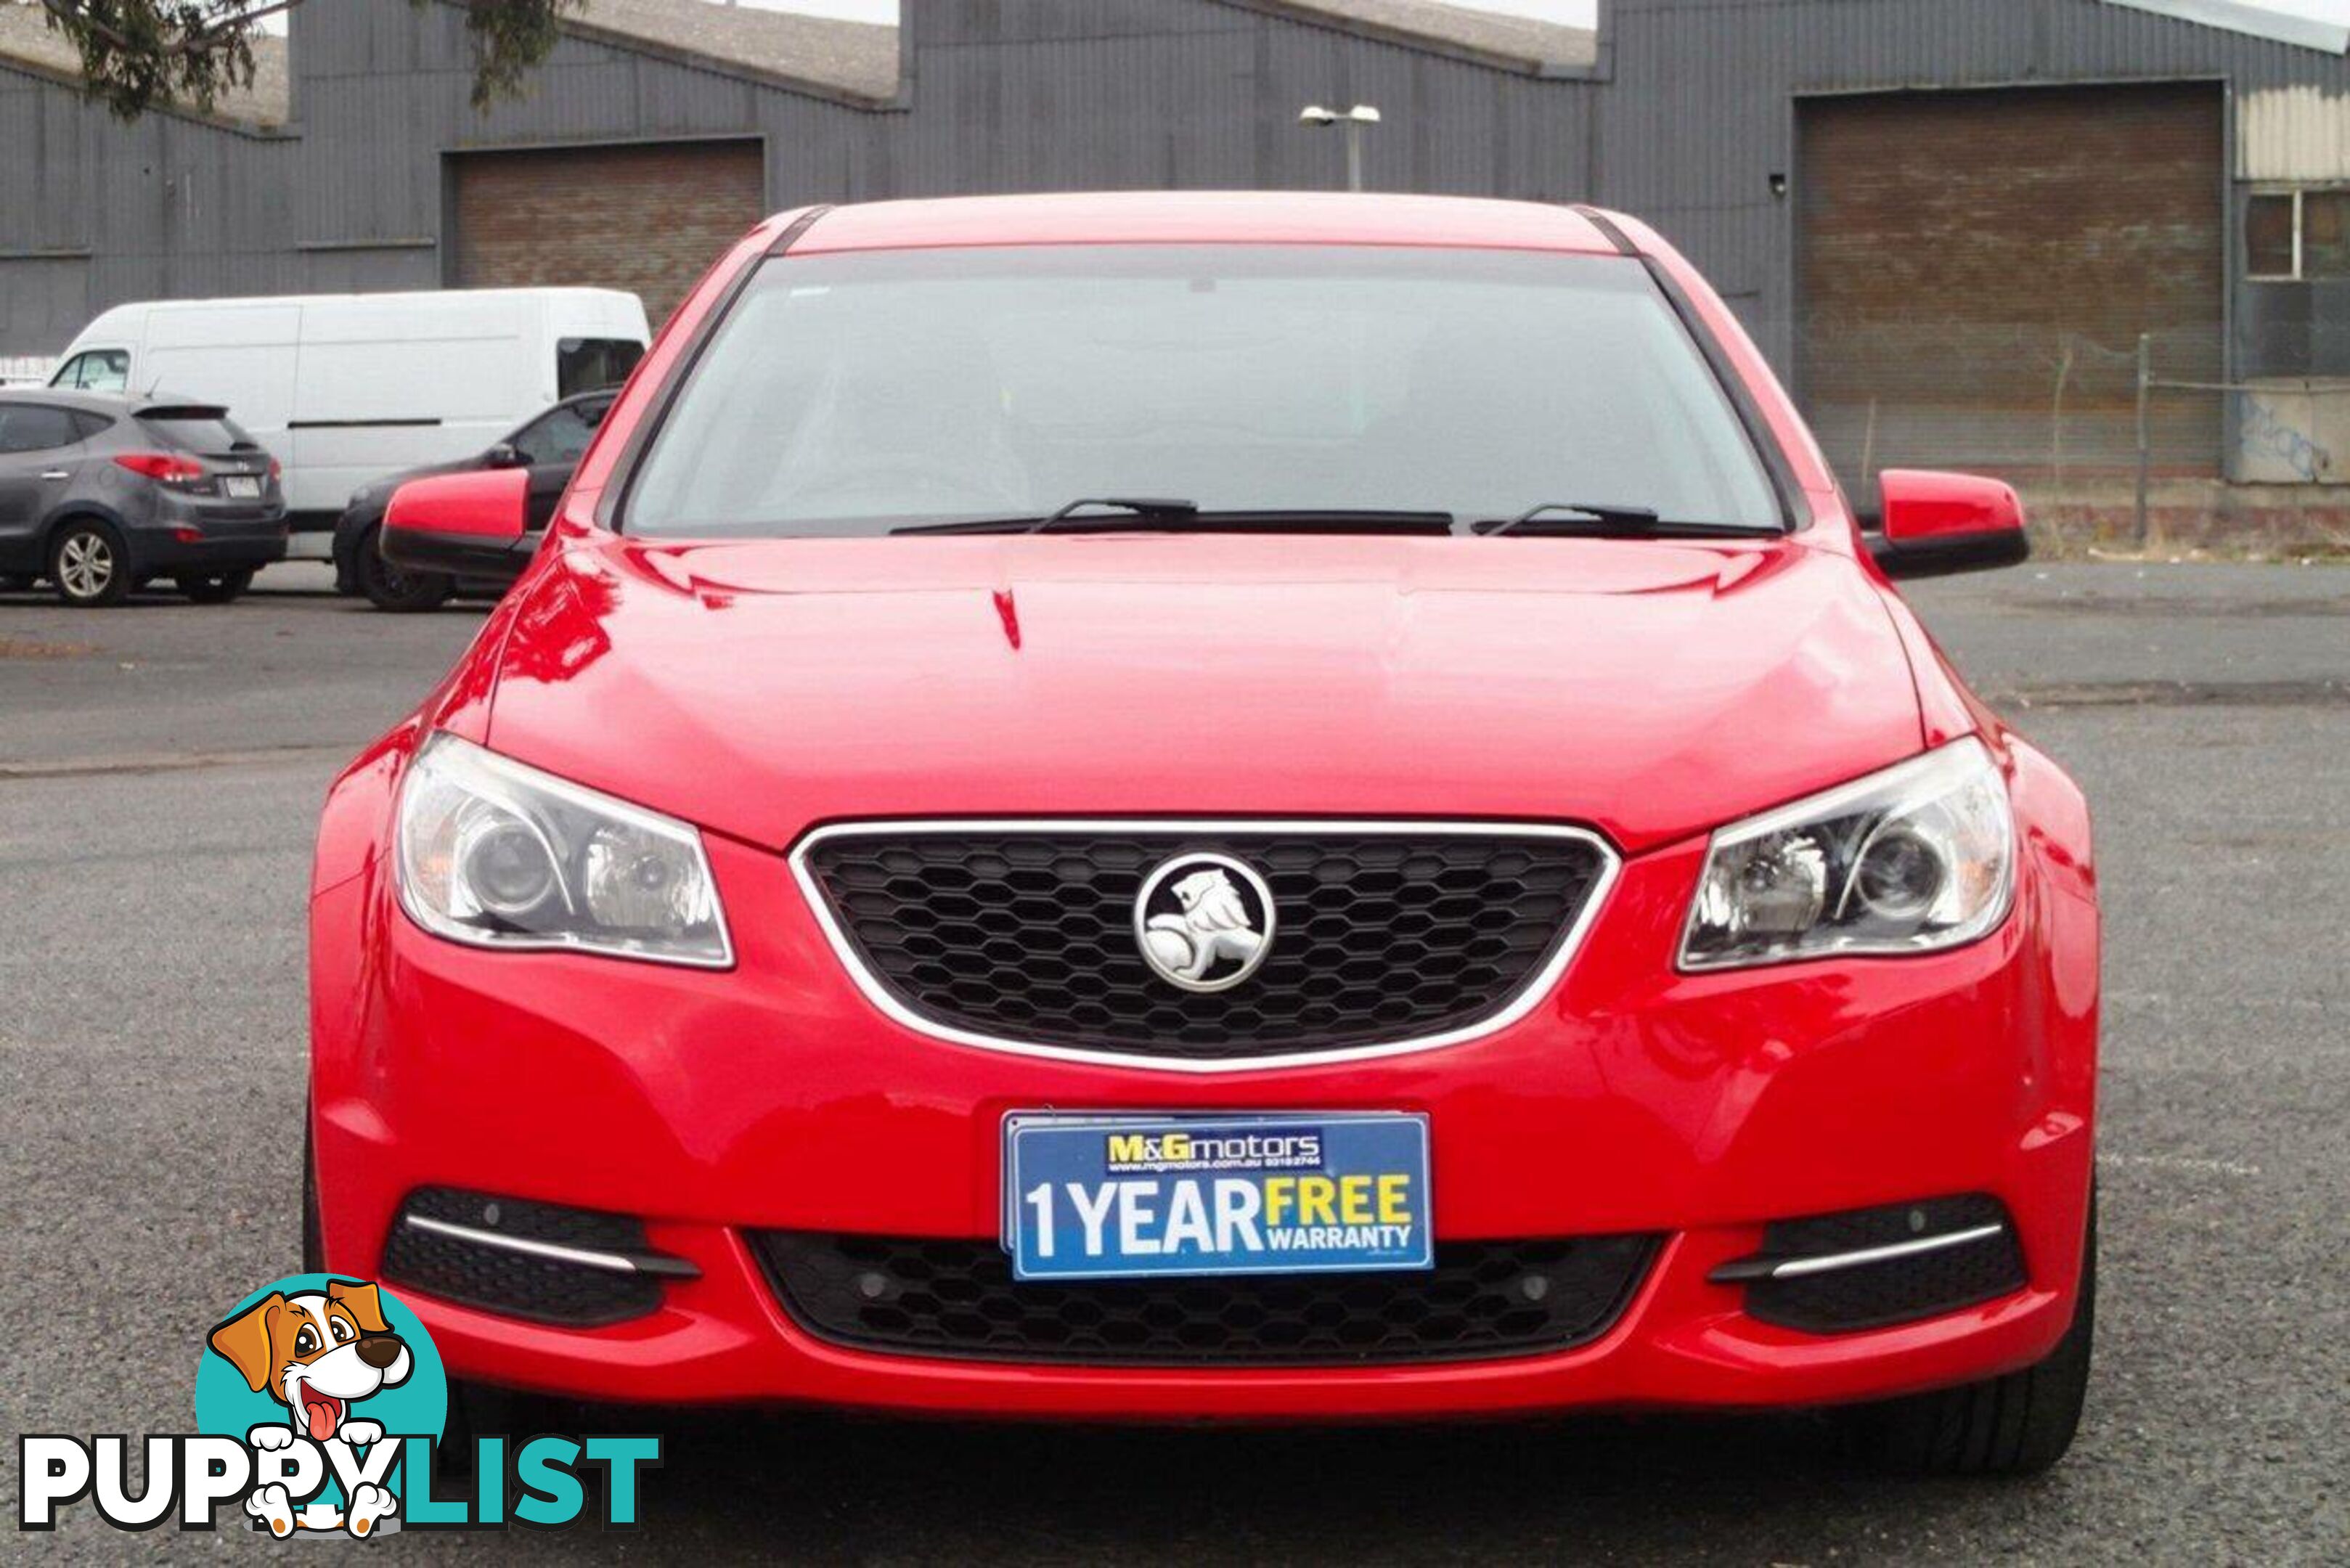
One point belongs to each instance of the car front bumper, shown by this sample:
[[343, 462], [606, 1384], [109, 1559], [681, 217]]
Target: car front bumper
[[1699, 1107]]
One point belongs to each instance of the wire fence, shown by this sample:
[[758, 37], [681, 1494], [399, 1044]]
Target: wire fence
[[2051, 407], [2110, 436]]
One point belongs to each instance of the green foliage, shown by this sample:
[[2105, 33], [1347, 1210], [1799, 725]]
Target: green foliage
[[136, 53], [509, 37]]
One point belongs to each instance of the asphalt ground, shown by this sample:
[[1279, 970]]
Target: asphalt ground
[[160, 768]]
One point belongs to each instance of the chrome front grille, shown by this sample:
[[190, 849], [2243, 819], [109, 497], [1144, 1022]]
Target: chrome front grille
[[1385, 935]]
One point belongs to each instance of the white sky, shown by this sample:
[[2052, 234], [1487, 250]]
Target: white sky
[[1578, 13]]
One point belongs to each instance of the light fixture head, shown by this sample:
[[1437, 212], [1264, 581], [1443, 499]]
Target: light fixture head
[[1315, 114]]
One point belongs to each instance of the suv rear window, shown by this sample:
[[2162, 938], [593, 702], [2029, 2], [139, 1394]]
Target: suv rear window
[[857, 392], [206, 431]]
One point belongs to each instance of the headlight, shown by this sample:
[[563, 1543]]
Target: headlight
[[1915, 858], [503, 855]]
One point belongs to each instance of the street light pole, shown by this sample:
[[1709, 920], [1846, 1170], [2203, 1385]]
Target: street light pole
[[1354, 118]]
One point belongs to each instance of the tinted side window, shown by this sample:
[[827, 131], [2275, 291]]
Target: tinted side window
[[557, 437], [585, 364], [26, 426], [91, 425], [96, 370]]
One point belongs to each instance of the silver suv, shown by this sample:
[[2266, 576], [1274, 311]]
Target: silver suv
[[100, 494]]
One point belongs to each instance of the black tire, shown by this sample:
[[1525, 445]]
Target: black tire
[[2017, 1425], [314, 1235], [215, 590], [388, 588], [482, 1410], [88, 565]]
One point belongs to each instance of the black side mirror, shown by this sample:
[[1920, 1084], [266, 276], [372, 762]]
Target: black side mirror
[[505, 454]]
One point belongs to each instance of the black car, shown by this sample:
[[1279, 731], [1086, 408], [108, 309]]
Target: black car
[[548, 445], [99, 494]]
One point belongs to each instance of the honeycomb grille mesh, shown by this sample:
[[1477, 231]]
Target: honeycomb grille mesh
[[1379, 936], [545, 1290], [959, 1299], [1897, 1290]]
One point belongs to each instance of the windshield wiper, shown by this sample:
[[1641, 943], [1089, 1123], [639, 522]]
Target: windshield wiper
[[1606, 521], [1185, 517], [1147, 510]]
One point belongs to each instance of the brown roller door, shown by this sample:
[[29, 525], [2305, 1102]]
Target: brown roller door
[[647, 218], [1975, 269]]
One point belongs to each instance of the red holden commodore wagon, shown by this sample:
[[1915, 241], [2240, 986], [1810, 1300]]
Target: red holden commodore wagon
[[1239, 807]]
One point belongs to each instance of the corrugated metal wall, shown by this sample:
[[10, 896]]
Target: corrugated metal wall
[[1698, 114]]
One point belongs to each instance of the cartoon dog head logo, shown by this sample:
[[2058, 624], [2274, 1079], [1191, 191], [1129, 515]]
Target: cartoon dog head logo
[[311, 1355], [317, 1352]]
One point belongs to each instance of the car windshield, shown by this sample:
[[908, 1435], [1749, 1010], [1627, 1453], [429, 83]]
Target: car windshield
[[864, 392]]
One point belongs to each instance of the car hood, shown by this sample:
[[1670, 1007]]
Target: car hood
[[1650, 689]]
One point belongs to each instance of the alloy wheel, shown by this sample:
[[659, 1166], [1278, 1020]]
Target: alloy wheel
[[85, 566]]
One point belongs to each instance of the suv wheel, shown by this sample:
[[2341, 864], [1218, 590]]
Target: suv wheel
[[215, 590], [390, 589], [87, 563], [2018, 1424]]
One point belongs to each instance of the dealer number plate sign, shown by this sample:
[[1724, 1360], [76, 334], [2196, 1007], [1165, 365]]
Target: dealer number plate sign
[[1098, 1198], [241, 486]]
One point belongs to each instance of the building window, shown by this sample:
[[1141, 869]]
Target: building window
[[2297, 235]]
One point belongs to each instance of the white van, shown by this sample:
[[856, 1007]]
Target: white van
[[343, 389]]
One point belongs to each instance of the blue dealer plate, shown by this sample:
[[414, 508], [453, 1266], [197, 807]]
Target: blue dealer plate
[[1098, 1198]]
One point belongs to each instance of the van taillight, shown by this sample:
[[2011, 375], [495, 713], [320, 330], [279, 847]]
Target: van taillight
[[277, 469], [166, 467]]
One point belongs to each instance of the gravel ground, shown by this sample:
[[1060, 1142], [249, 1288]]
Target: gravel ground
[[160, 771]]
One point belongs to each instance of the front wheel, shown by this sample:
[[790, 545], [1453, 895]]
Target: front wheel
[[87, 565], [2017, 1425], [215, 590], [388, 588]]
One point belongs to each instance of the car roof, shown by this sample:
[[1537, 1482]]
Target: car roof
[[113, 404], [65, 398], [1187, 217]]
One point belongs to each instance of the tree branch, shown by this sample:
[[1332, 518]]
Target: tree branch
[[136, 53]]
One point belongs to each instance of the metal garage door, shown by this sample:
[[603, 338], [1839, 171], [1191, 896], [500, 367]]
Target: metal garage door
[[647, 218], [1976, 267]]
